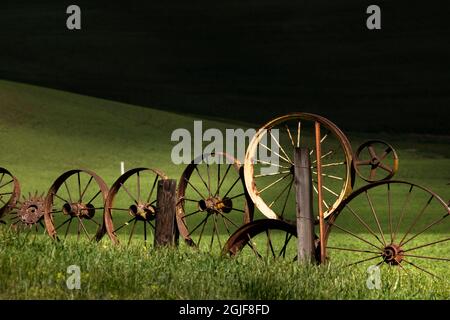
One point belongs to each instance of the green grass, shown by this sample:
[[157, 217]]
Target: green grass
[[37, 270], [46, 132]]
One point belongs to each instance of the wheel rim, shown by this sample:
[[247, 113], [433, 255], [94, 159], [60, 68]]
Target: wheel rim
[[75, 205], [264, 239], [374, 156], [9, 192], [296, 130], [212, 200], [130, 208], [407, 227]]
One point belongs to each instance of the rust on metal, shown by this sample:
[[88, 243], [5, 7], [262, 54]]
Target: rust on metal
[[387, 161]]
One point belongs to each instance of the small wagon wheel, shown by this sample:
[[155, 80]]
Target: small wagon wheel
[[373, 156], [28, 214], [212, 200], [269, 182], [392, 223], [9, 192], [76, 196], [265, 239], [131, 206]]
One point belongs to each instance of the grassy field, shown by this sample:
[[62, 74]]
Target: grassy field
[[46, 132]]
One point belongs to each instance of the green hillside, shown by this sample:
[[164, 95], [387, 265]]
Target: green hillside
[[44, 132]]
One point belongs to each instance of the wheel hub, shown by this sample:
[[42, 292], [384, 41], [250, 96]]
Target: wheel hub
[[375, 162], [393, 254], [216, 205], [143, 211], [31, 210], [81, 210]]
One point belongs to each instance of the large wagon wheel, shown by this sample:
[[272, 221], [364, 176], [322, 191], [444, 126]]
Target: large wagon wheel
[[392, 223], [273, 192], [131, 206], [75, 205], [212, 200], [376, 156], [9, 192], [266, 239]]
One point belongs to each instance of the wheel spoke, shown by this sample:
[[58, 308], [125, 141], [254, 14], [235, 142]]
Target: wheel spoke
[[299, 129], [191, 214], [128, 192], [426, 257], [67, 229], [372, 152], [275, 153], [209, 179], [324, 156], [216, 227], [404, 208], [364, 260], [201, 233], [68, 192], [375, 216], [231, 221], [390, 212], [269, 242], [373, 173], [324, 202], [281, 193], [79, 186], [274, 183], [85, 189], [132, 232], [427, 245], [290, 136], [385, 153], [250, 244], [385, 167], [204, 220], [195, 189], [84, 229], [287, 198], [138, 186], [223, 179], [353, 250], [237, 196], [271, 164], [363, 162], [96, 195], [272, 174], [287, 238], [329, 176], [204, 182], [416, 219], [335, 164], [125, 224], [5, 184], [153, 188], [425, 229], [421, 269], [279, 146], [235, 182], [364, 224], [356, 236], [63, 223]]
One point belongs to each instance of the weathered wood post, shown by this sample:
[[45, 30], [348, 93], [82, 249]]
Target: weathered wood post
[[304, 205], [166, 231]]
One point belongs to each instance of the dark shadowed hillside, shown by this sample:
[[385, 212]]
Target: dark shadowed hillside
[[243, 60]]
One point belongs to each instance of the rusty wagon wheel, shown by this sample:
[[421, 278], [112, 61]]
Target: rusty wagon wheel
[[77, 195], [374, 156], [266, 239], [131, 206], [28, 214], [392, 223], [212, 200], [269, 166], [9, 192]]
